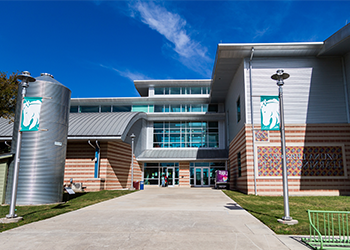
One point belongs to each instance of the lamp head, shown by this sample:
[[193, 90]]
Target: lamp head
[[280, 76], [26, 78]]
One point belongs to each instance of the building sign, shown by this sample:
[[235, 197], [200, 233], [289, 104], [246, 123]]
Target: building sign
[[310, 161], [31, 113], [270, 114]]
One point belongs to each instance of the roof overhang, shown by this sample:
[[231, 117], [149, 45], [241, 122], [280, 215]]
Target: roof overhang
[[229, 57], [338, 44], [183, 154]]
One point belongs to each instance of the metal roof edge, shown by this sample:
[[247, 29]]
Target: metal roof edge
[[136, 117], [93, 138], [181, 159], [6, 138], [270, 44]]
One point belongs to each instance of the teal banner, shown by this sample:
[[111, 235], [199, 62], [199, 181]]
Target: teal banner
[[31, 113], [270, 114]]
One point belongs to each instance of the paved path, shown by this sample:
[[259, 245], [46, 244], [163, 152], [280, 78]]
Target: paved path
[[155, 218]]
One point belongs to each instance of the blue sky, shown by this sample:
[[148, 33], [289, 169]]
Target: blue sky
[[97, 48]]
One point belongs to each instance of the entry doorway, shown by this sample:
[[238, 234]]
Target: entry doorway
[[169, 173], [202, 177]]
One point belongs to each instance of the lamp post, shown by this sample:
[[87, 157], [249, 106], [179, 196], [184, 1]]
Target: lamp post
[[132, 136], [26, 78], [279, 77]]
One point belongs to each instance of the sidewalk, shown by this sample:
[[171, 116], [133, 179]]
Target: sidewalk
[[155, 218]]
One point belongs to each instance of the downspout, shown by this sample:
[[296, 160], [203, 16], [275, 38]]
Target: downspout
[[345, 90], [252, 115], [97, 158], [7, 144]]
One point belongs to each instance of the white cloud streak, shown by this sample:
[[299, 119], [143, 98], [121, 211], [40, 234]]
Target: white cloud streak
[[127, 74], [173, 27]]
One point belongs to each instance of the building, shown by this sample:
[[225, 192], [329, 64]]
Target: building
[[187, 129]]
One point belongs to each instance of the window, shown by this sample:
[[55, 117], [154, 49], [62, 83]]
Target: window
[[238, 105], [213, 167], [121, 108], [89, 109], [239, 164], [74, 109], [140, 108], [182, 91], [105, 108], [185, 134], [213, 108]]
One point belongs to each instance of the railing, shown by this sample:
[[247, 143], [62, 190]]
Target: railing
[[328, 230]]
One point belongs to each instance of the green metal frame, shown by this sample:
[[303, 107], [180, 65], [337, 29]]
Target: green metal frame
[[328, 230]]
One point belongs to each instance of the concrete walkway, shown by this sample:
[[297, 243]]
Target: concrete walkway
[[155, 218]]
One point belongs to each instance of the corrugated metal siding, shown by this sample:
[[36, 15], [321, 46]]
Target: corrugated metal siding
[[347, 76], [236, 90], [6, 128], [314, 93], [89, 124], [97, 124]]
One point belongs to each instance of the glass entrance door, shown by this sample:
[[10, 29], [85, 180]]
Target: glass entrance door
[[202, 177], [170, 175]]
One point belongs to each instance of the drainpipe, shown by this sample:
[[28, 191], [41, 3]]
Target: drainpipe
[[252, 115], [345, 90], [97, 158], [7, 144]]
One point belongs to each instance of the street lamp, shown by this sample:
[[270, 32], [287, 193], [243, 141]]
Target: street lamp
[[132, 136], [279, 77], [26, 78]]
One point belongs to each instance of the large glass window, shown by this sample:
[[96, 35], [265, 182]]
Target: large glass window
[[196, 134]]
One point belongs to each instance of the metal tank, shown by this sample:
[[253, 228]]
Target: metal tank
[[43, 152]]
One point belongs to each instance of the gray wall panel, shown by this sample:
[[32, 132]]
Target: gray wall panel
[[347, 77], [236, 91], [314, 93]]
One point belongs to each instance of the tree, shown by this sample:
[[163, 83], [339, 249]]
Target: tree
[[8, 95]]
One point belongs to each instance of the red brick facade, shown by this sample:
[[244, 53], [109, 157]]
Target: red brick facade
[[115, 166]]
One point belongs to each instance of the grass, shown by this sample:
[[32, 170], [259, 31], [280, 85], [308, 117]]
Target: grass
[[79, 200], [268, 209]]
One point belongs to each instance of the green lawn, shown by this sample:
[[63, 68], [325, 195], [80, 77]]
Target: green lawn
[[76, 201], [268, 209]]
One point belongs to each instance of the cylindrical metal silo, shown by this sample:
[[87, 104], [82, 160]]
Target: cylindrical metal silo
[[43, 152]]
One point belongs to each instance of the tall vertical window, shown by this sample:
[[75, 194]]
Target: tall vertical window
[[238, 106], [239, 164]]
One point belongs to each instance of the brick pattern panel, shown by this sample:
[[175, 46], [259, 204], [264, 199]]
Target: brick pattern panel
[[184, 171], [308, 135]]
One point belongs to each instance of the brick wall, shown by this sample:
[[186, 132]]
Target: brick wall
[[184, 171], [319, 135], [115, 166]]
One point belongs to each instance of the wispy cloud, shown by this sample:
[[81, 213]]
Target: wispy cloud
[[175, 29], [127, 73]]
